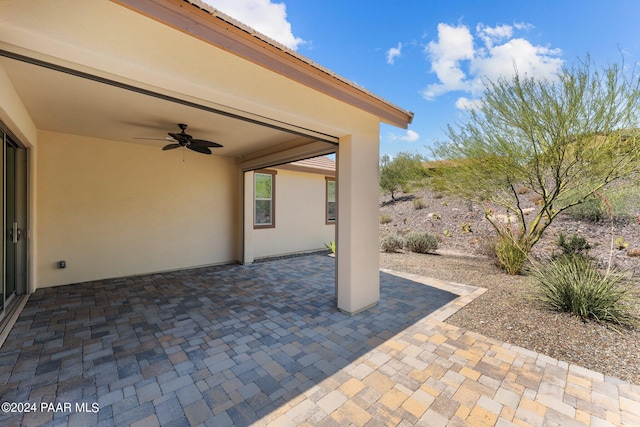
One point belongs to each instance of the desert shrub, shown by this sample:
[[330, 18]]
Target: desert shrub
[[573, 284], [633, 253], [591, 210], [536, 199], [391, 243], [421, 243], [509, 254], [622, 201], [574, 245], [385, 218], [419, 203], [523, 190], [466, 227]]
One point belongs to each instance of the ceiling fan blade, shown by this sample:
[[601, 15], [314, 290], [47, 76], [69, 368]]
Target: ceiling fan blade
[[171, 146], [203, 143], [166, 138], [199, 149]]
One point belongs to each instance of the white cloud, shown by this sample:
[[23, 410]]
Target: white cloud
[[409, 136], [394, 53], [490, 35], [455, 44], [464, 103], [263, 16], [461, 61]]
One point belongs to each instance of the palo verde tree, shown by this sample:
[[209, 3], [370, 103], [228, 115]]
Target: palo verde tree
[[565, 140], [404, 172]]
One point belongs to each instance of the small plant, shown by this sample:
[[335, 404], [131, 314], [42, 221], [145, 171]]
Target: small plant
[[466, 227], [331, 246], [447, 233], [574, 245], [419, 203], [421, 243], [444, 203], [391, 243], [621, 244], [510, 255], [435, 216], [573, 284], [385, 218], [523, 190]]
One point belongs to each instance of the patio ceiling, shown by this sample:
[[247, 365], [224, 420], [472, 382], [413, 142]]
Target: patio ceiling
[[100, 71], [59, 101]]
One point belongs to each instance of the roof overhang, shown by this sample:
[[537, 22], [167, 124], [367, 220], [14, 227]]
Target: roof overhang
[[209, 25], [97, 69]]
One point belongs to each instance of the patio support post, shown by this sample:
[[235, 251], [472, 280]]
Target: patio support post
[[247, 226], [357, 265]]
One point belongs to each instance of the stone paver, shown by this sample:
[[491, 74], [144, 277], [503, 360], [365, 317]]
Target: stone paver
[[265, 345]]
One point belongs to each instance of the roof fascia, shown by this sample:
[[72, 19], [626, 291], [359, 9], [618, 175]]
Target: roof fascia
[[214, 29]]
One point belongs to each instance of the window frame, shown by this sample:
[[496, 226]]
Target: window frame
[[273, 174], [327, 220]]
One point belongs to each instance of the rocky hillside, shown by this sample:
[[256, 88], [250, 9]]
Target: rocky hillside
[[461, 228]]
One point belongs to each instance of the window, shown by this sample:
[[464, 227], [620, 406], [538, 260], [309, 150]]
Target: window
[[264, 190], [331, 200]]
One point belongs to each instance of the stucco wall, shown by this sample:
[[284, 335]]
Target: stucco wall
[[112, 209], [299, 216]]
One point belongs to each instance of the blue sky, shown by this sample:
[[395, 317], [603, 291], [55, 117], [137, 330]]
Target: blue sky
[[429, 56]]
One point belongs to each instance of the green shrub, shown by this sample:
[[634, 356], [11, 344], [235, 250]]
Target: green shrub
[[419, 203], [622, 201], [510, 255], [573, 284], [385, 218], [574, 245], [391, 243], [421, 243], [591, 210]]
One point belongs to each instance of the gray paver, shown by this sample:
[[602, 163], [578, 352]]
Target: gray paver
[[265, 344]]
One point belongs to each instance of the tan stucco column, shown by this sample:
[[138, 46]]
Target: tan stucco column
[[357, 275]]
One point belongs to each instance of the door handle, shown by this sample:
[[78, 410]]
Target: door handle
[[15, 233]]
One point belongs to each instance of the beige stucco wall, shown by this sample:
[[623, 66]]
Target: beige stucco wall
[[112, 209], [299, 215]]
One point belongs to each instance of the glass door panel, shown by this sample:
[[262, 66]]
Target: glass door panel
[[12, 233], [2, 223]]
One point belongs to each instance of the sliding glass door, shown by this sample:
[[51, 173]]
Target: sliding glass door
[[13, 161]]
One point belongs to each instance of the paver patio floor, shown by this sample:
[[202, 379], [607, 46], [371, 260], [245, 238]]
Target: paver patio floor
[[264, 344]]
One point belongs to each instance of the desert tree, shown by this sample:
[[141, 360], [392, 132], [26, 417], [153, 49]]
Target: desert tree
[[561, 140], [404, 172]]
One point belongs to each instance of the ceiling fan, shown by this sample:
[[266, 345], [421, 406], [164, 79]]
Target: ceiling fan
[[183, 139]]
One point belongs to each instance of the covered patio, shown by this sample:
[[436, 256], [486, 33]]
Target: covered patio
[[93, 92], [264, 344]]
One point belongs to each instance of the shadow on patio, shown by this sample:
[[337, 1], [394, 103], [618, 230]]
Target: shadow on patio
[[218, 345]]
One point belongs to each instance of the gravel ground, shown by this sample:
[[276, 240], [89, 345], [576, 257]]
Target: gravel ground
[[506, 311]]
